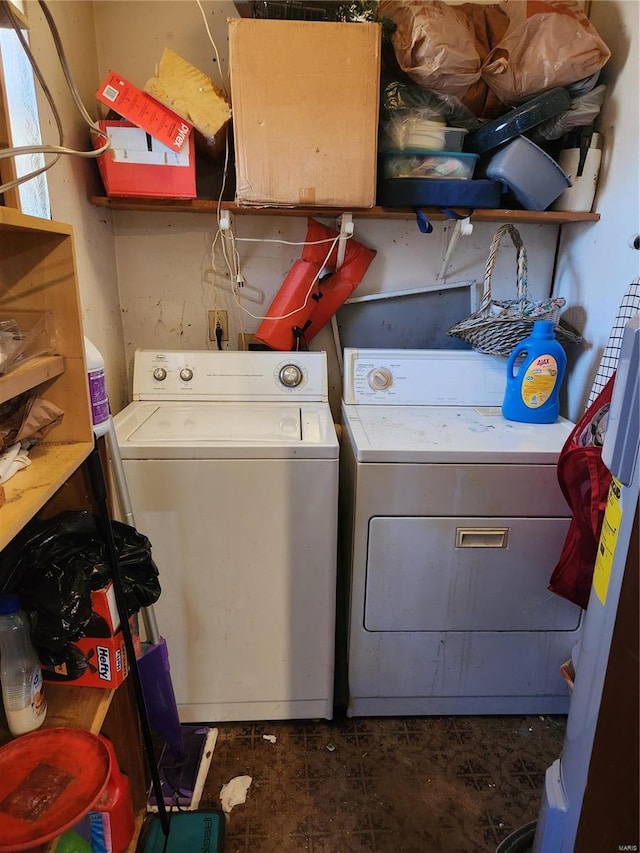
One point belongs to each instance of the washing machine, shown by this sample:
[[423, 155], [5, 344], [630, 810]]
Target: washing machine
[[452, 521], [231, 461]]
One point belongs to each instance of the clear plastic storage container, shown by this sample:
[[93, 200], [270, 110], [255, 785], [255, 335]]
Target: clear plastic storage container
[[24, 335], [422, 137], [429, 164]]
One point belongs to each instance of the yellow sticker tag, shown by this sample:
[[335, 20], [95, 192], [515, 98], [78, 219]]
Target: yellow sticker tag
[[608, 540]]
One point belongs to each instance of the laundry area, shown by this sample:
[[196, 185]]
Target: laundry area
[[319, 416]]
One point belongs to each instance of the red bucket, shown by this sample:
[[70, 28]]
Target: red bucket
[[49, 779], [116, 806]]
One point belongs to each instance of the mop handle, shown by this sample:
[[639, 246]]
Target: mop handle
[[124, 499]]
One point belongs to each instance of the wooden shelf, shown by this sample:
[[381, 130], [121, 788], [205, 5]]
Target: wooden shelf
[[28, 490], [71, 707], [26, 376], [77, 707], [12, 220], [151, 205]]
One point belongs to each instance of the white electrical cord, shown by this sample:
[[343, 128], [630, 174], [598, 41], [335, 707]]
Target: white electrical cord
[[237, 278], [284, 242], [215, 49], [40, 77]]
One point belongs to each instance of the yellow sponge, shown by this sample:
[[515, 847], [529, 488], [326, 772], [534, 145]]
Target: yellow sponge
[[192, 95]]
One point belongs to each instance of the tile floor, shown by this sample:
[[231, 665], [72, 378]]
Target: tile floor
[[383, 785]]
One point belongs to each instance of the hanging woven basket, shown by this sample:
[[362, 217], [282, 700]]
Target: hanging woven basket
[[499, 325]]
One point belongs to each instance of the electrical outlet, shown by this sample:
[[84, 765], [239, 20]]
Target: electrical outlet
[[218, 319]]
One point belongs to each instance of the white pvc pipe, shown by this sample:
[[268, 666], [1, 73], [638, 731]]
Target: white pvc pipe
[[124, 499]]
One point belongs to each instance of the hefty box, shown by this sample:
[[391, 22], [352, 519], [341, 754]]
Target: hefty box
[[105, 621], [98, 659], [138, 165], [105, 608], [305, 98], [92, 662], [144, 111]]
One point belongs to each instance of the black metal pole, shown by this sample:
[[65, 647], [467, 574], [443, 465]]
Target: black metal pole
[[99, 488]]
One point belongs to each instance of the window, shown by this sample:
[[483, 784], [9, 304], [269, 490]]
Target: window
[[21, 127]]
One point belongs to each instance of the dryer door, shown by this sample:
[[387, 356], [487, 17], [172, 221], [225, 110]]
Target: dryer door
[[464, 574]]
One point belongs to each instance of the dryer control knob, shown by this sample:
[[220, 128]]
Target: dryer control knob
[[290, 375], [159, 373], [186, 374], [380, 379]]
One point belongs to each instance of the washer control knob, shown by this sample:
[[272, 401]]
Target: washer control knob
[[290, 375], [186, 374], [159, 373], [380, 379]]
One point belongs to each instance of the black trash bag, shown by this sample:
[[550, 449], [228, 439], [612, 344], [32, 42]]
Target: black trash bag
[[54, 565], [59, 606]]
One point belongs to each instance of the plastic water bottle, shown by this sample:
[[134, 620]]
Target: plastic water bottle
[[20, 672], [97, 389], [532, 392]]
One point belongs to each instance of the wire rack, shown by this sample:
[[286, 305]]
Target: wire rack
[[295, 10]]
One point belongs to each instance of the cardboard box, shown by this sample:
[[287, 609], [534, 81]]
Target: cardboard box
[[103, 604], [106, 659], [100, 660], [144, 111], [305, 98], [138, 165]]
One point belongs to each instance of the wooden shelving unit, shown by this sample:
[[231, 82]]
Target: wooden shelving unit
[[208, 206], [38, 273]]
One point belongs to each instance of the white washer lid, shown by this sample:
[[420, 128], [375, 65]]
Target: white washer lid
[[226, 430], [452, 434]]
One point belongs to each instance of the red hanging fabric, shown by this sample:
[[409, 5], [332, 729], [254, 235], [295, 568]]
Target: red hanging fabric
[[282, 334], [338, 287], [309, 314], [584, 480]]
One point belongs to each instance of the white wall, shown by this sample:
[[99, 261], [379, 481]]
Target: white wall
[[164, 282], [596, 262], [72, 178], [164, 260]]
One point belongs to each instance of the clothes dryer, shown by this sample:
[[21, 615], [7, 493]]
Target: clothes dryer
[[452, 523]]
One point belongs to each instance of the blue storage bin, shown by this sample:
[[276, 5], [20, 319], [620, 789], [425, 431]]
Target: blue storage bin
[[518, 120], [426, 192], [534, 178]]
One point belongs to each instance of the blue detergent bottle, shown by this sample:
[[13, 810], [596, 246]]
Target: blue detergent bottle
[[532, 392]]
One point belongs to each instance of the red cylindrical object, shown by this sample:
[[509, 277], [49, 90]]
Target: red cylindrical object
[[355, 253], [338, 287], [116, 804], [290, 299]]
